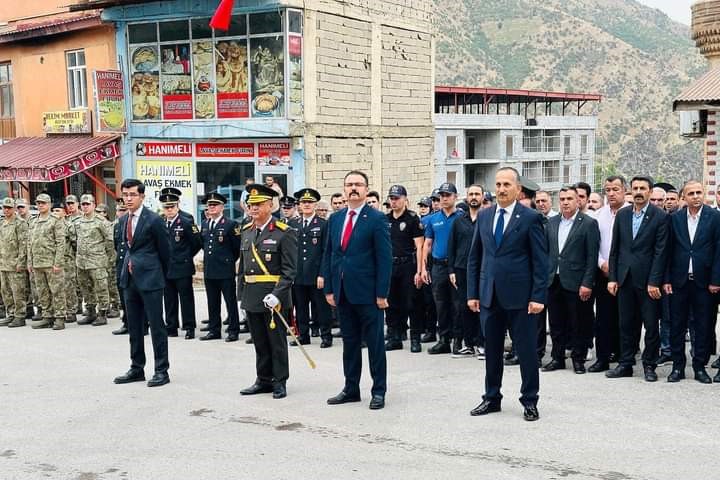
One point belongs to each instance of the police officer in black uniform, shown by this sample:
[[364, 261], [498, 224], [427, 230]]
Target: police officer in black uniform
[[307, 289], [185, 242], [221, 247], [288, 209], [120, 250], [406, 236], [268, 254], [423, 312]]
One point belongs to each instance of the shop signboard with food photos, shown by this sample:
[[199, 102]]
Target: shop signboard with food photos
[[109, 101], [184, 70]]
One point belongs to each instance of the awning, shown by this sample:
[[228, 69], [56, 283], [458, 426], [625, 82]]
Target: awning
[[704, 94], [48, 25], [48, 159]]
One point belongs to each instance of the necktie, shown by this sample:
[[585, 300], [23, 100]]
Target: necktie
[[129, 228], [348, 230], [212, 225], [168, 224], [499, 227], [305, 224]]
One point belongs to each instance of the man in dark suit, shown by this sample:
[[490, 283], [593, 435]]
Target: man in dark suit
[[142, 279], [357, 265], [573, 241], [637, 265], [221, 247], [692, 278], [185, 242], [507, 283], [307, 289]]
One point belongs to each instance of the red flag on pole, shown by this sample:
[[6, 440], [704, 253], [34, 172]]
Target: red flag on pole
[[221, 19]]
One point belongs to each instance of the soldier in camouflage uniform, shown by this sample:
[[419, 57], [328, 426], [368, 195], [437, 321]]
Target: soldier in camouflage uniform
[[23, 212], [94, 246], [113, 311], [13, 264], [71, 282], [46, 256], [68, 266]]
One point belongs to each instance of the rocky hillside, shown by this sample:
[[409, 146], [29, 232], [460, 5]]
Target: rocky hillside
[[635, 56]]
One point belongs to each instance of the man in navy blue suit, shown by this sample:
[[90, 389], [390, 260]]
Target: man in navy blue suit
[[357, 266], [507, 283], [692, 277], [142, 280]]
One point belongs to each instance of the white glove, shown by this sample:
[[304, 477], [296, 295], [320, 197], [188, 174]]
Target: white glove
[[271, 301]]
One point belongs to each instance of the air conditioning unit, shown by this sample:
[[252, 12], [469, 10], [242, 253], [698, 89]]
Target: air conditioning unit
[[693, 124]]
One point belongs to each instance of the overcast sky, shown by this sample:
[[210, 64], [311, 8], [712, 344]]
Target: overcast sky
[[678, 10]]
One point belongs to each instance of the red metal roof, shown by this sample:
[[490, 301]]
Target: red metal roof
[[48, 159], [49, 26], [521, 93], [706, 89]]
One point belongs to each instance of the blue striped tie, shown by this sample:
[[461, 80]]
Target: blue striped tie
[[499, 227]]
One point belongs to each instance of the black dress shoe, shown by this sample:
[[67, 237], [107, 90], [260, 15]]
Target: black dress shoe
[[415, 345], [343, 397], [598, 366], [511, 361], [554, 365], [578, 367], [531, 413], [205, 329], [650, 375], [233, 337], [439, 348], [158, 380], [393, 345], [211, 336], [190, 334], [377, 402], [716, 363], [428, 338], [702, 376], [327, 343], [120, 331], [279, 391], [619, 372], [172, 333], [256, 388], [132, 375], [484, 408], [676, 376]]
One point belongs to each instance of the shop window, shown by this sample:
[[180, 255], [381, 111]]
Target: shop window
[[173, 31], [238, 27], [295, 22], [227, 178], [77, 79], [268, 76], [268, 22], [200, 28], [142, 33], [7, 110]]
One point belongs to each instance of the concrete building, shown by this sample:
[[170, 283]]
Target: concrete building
[[549, 137], [300, 90]]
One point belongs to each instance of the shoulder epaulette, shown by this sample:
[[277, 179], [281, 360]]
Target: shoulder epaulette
[[247, 225], [281, 225]]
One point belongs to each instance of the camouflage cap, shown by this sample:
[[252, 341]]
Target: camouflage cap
[[20, 202], [8, 202], [87, 198], [43, 198], [101, 208], [71, 199]]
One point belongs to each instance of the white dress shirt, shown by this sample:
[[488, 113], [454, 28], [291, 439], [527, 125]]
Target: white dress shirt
[[606, 219], [507, 216], [564, 230], [134, 216], [692, 223], [307, 221], [354, 219]]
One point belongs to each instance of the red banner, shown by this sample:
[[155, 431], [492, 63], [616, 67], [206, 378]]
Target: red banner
[[232, 105], [52, 174], [274, 154], [225, 150], [177, 107]]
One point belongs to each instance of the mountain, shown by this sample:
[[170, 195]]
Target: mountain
[[635, 56]]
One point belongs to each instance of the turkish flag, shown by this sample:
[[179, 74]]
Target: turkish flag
[[221, 19]]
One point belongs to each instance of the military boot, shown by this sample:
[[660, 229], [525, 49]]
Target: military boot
[[59, 323], [2, 311], [89, 317], [6, 321], [30, 313], [70, 318], [79, 309], [415, 345], [42, 323], [17, 322], [100, 320], [114, 312]]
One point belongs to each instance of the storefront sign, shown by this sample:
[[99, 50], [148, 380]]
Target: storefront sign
[[274, 154], [225, 150], [177, 107], [159, 174], [157, 149], [109, 101], [70, 121], [68, 169]]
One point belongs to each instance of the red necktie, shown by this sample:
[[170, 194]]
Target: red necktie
[[348, 231], [129, 238]]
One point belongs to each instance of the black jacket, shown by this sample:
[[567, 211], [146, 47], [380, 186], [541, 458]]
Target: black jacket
[[311, 243], [459, 241], [704, 250], [185, 242], [221, 248], [149, 252], [578, 259]]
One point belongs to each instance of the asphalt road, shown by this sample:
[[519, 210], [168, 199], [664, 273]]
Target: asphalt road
[[63, 418]]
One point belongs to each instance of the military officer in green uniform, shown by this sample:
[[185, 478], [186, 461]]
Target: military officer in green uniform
[[68, 266], [268, 255], [94, 246], [13, 264], [113, 293], [21, 207], [73, 215], [46, 257]]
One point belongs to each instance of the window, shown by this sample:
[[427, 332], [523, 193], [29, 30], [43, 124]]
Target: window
[[566, 145], [542, 171], [584, 172], [452, 151], [77, 79], [566, 174], [470, 147], [6, 94], [583, 144], [509, 146]]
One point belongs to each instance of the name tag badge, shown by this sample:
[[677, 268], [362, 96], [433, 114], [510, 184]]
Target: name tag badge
[[315, 241], [269, 241], [177, 237], [268, 257], [220, 238]]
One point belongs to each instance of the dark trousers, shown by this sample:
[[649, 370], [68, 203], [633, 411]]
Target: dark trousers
[[469, 320], [638, 310], [122, 305], [214, 289], [400, 298], [607, 322], [444, 296], [423, 317], [496, 321], [541, 319], [183, 288], [568, 326], [305, 296], [143, 304], [358, 323], [665, 326], [271, 349], [695, 298]]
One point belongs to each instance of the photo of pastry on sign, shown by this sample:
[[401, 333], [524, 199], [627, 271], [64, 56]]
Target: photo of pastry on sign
[[145, 83]]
